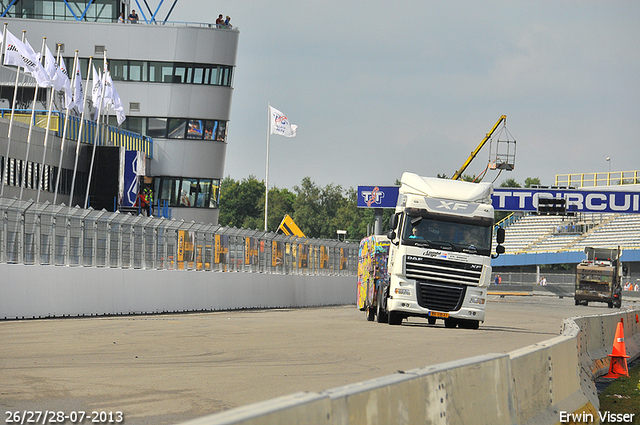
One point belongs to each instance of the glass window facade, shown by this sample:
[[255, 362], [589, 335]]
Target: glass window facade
[[162, 72], [189, 192], [175, 128]]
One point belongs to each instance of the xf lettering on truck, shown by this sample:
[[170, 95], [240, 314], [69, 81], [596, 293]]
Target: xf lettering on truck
[[453, 206]]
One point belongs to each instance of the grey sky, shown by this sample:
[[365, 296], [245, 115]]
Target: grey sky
[[379, 88]]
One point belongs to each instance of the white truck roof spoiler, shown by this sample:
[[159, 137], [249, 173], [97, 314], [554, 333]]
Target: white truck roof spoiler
[[457, 190]]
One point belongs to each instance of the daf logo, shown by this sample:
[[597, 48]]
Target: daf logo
[[453, 206], [476, 266]]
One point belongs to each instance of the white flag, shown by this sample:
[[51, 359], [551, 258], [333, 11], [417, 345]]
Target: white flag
[[57, 76], [280, 124], [116, 102], [96, 92], [21, 54], [77, 101]]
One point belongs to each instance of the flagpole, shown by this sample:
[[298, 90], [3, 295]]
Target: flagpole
[[95, 139], [33, 115], [66, 123], [46, 134], [5, 159], [13, 109], [84, 103], [266, 179]]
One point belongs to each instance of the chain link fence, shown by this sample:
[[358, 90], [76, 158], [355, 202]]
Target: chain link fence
[[44, 234]]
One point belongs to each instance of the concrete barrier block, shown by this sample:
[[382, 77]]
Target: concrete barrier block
[[392, 399], [468, 391], [297, 408]]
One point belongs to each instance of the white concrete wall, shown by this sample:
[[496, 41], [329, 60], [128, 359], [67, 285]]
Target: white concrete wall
[[51, 291]]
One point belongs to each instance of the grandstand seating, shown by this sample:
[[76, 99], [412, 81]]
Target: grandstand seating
[[532, 233]]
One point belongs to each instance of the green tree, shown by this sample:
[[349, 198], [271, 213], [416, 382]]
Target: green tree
[[510, 183], [240, 204], [281, 202], [307, 206], [532, 181]]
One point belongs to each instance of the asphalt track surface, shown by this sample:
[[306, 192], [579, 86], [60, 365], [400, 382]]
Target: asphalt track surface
[[165, 369]]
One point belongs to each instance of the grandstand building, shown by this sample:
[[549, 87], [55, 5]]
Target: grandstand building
[[175, 81]]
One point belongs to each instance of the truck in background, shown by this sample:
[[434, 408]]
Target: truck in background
[[440, 253], [598, 277]]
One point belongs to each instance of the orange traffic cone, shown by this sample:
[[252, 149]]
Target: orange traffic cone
[[618, 365]]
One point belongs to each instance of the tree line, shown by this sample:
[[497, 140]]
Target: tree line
[[318, 211]]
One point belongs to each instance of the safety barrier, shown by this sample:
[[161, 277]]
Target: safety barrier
[[539, 384], [45, 234]]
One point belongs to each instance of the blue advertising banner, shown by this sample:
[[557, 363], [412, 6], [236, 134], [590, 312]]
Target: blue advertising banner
[[377, 196], [598, 201], [133, 167]]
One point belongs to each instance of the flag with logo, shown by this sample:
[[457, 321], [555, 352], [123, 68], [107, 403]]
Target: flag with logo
[[97, 91], [21, 54], [279, 123], [77, 100], [115, 101]]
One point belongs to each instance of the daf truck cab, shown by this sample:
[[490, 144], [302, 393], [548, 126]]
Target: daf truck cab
[[440, 254]]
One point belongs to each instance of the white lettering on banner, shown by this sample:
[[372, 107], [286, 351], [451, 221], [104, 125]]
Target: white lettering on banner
[[613, 206], [522, 196], [574, 199], [501, 198], [372, 196], [593, 207]]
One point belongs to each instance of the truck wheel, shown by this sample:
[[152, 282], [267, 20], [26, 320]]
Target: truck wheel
[[395, 318], [577, 302], [610, 304], [431, 320], [382, 305], [450, 323], [370, 314]]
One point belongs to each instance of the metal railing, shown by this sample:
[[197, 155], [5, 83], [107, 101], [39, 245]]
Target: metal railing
[[109, 135], [611, 178], [45, 234]]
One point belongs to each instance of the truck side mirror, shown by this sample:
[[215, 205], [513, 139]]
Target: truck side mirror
[[500, 241], [391, 235], [393, 222]]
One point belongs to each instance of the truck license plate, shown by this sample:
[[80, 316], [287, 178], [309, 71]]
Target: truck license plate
[[438, 314]]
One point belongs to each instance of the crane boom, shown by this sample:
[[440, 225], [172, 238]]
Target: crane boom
[[458, 173]]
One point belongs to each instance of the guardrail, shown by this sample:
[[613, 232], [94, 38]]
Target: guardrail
[[44, 234], [533, 385]]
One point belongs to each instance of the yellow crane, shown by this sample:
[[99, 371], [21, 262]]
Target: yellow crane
[[458, 173]]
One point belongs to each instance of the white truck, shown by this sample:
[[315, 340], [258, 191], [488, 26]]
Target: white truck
[[440, 255]]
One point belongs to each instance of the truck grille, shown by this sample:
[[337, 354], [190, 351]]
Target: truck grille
[[440, 284], [440, 297]]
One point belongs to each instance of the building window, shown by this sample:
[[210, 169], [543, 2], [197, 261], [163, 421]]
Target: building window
[[175, 128], [161, 72], [189, 192]]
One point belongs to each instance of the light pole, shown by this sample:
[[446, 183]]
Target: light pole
[[609, 161]]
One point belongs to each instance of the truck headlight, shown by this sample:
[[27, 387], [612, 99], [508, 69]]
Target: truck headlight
[[476, 300], [400, 291]]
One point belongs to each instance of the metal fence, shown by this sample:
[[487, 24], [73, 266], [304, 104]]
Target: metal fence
[[45, 234]]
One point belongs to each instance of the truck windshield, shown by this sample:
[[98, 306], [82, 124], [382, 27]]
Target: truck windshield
[[447, 235]]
